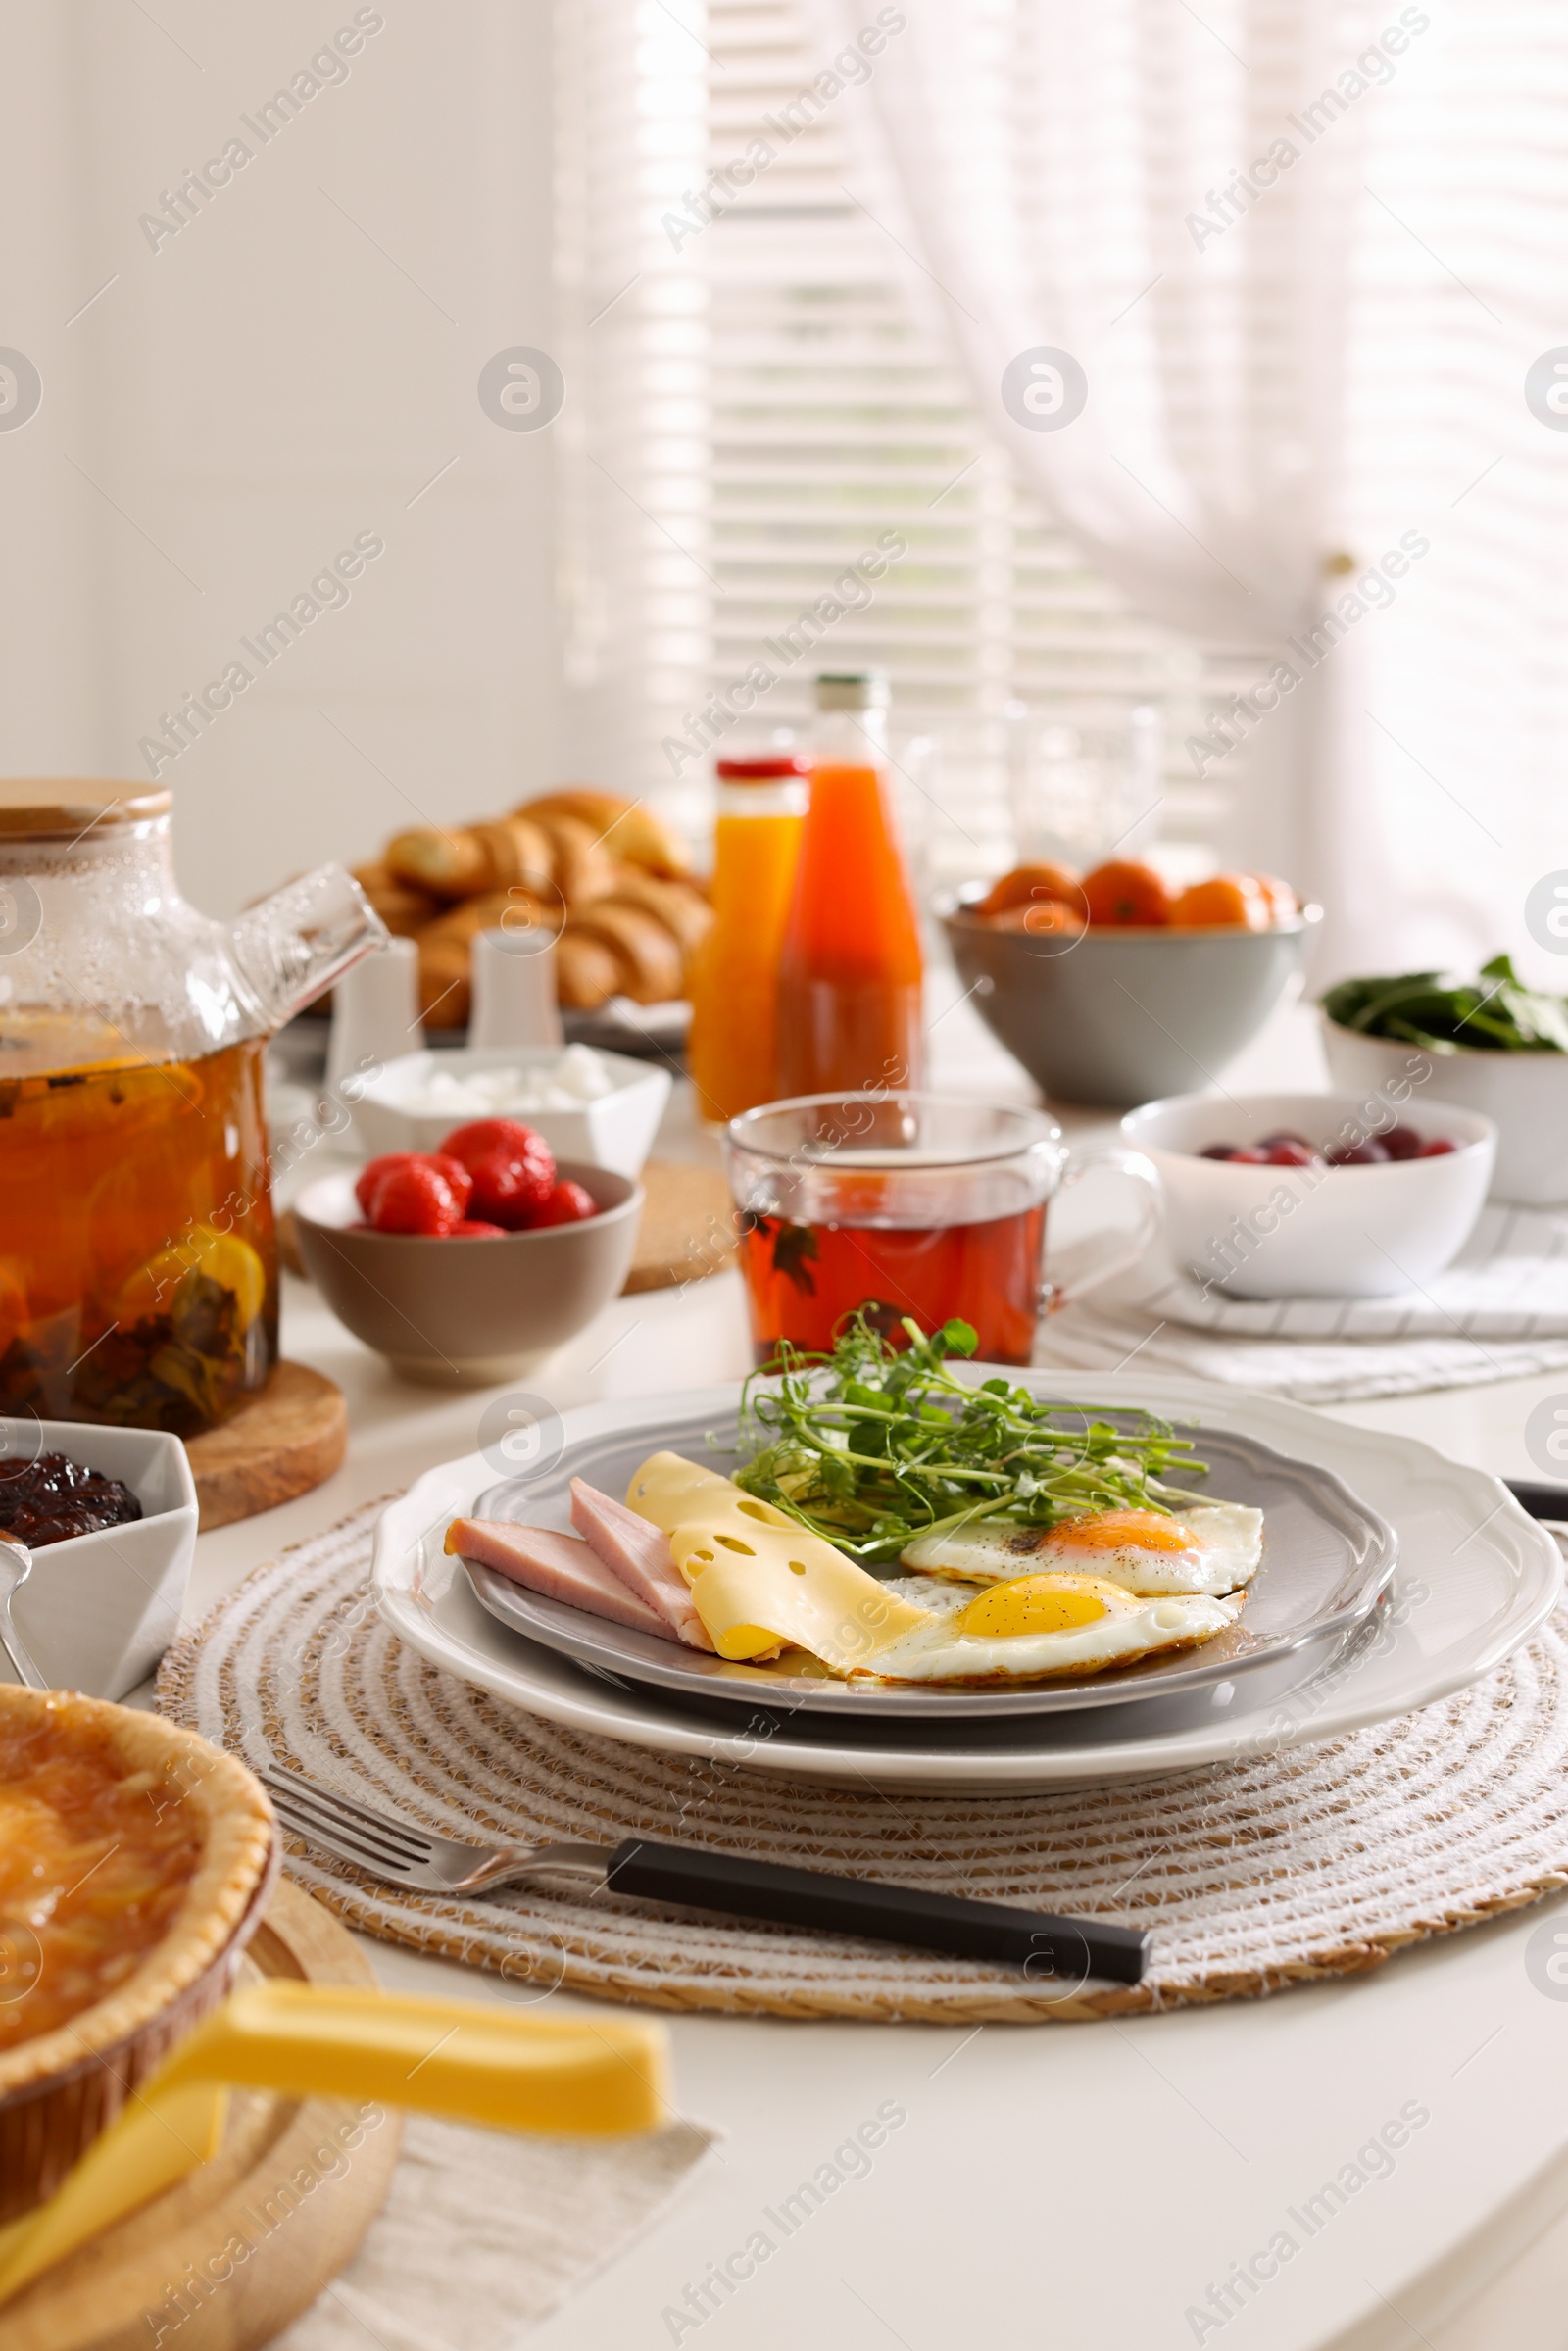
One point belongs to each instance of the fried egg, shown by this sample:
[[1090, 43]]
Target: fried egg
[[1214, 1548], [1095, 1593], [1029, 1627]]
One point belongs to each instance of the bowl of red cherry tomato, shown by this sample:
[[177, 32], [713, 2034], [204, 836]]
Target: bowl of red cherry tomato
[[472, 1262], [1316, 1194]]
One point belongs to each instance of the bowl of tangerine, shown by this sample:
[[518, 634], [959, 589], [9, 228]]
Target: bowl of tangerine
[[1115, 986]]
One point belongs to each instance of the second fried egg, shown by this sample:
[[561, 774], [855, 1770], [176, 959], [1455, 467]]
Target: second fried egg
[[1212, 1547]]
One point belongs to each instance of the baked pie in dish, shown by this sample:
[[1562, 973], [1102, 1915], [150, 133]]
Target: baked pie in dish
[[134, 1864]]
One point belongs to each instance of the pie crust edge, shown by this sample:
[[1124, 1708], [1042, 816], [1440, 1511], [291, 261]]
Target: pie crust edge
[[237, 1852]]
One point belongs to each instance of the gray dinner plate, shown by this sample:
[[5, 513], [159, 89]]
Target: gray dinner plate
[[1327, 1562]]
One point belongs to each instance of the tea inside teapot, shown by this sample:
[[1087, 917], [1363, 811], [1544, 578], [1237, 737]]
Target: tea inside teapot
[[139, 1279], [138, 1257]]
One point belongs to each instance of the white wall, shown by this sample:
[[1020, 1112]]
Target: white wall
[[290, 370]]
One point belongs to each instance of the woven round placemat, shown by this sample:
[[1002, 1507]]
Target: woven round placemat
[[1318, 1861]]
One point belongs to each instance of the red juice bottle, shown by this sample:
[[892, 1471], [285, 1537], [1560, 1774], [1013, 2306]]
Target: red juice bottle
[[851, 969]]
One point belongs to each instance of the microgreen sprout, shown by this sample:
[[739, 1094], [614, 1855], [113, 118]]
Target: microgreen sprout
[[872, 1445]]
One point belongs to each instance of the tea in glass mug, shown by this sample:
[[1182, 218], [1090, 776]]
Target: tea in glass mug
[[911, 1206]]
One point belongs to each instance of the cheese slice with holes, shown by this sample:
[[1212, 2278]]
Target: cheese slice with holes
[[758, 1578]]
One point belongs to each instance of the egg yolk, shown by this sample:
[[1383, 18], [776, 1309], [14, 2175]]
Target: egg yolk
[[1121, 1531], [1039, 1605]]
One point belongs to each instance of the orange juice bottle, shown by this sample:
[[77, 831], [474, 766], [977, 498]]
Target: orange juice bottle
[[732, 1052], [849, 981]]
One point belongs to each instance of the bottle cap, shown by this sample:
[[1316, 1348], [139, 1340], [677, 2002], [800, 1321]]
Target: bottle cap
[[851, 690], [767, 767]]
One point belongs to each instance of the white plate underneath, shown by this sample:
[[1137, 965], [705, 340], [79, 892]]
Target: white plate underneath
[[1475, 1579]]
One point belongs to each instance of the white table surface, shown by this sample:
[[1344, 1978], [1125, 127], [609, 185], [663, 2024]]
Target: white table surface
[[1082, 2185]]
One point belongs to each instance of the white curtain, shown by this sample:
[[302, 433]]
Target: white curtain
[[1168, 195], [1461, 269]]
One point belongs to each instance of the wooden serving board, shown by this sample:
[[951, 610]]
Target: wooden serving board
[[687, 1229], [280, 1445], [229, 2257]]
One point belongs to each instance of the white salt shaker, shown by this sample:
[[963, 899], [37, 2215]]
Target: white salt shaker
[[515, 989], [375, 1013]]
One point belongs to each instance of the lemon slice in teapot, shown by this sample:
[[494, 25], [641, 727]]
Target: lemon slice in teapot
[[221, 1257]]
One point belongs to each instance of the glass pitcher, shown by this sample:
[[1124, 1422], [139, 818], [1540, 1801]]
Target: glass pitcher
[[138, 1260]]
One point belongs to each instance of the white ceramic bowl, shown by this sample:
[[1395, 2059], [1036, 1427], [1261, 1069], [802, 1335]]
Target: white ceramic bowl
[[1524, 1095], [614, 1130], [99, 1610], [1313, 1232]]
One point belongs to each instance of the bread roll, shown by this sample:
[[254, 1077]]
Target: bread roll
[[474, 857], [628, 828], [649, 959]]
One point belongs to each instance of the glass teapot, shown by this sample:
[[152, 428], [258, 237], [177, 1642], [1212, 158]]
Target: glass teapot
[[138, 1259]]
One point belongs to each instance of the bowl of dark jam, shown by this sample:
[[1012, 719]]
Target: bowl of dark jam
[[52, 1499], [110, 1516]]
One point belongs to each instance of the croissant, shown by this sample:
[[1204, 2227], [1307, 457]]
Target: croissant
[[580, 865], [446, 948], [627, 828], [679, 906], [648, 958], [587, 972], [445, 992], [404, 910], [514, 909], [606, 868], [475, 858]]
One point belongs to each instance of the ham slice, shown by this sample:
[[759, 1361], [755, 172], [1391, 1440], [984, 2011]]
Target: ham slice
[[638, 1552], [559, 1567]]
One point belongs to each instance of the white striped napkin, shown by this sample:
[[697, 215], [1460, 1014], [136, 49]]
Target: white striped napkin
[[1509, 1281], [1499, 1312]]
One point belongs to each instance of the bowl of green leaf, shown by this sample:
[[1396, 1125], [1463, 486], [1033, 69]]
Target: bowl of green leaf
[[1490, 1044]]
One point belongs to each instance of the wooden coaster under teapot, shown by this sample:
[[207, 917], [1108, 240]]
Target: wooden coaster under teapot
[[277, 1446]]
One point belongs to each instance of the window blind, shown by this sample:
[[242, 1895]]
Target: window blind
[[778, 410]]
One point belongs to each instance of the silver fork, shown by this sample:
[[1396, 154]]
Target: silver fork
[[389, 1845], [16, 1566], [402, 1851]]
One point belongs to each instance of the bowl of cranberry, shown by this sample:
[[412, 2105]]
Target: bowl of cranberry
[[1316, 1194], [471, 1263]]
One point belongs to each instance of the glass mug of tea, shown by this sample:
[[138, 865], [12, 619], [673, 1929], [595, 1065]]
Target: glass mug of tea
[[923, 1205]]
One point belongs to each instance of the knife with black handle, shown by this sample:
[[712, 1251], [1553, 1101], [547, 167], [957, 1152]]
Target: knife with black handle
[[1033, 1940], [402, 1851], [1541, 1501]]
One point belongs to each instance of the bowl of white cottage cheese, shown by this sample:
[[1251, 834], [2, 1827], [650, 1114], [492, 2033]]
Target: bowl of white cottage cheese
[[587, 1105]]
